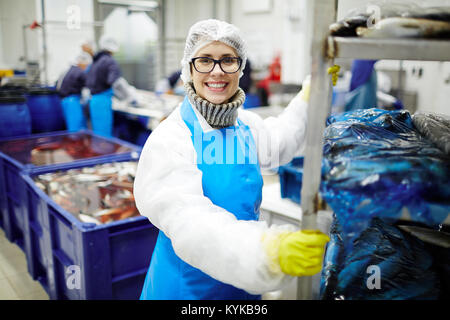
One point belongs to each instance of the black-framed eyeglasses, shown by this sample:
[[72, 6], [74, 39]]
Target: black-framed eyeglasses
[[227, 64]]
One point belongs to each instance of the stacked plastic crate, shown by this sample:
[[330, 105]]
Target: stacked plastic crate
[[71, 259]]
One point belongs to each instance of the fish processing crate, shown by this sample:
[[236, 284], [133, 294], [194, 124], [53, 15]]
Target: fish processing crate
[[16, 156], [77, 260], [291, 176]]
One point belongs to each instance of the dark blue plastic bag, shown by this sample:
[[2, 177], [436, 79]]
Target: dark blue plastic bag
[[377, 168], [377, 165], [405, 266]]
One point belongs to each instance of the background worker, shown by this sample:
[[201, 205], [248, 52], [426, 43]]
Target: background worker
[[171, 85], [364, 89], [246, 81], [363, 86], [69, 87], [89, 47], [104, 80]]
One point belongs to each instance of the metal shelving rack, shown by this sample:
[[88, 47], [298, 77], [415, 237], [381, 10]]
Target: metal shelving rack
[[324, 50], [393, 49]]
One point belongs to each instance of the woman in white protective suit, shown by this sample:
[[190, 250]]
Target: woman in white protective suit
[[199, 182]]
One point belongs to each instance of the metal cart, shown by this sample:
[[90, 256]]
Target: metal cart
[[324, 50]]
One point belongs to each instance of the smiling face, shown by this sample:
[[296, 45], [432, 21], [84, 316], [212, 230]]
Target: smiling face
[[216, 86]]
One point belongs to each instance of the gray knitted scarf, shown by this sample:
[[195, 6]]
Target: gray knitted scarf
[[217, 115]]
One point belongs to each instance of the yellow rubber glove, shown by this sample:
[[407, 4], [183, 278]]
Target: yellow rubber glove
[[306, 85], [334, 71], [301, 253]]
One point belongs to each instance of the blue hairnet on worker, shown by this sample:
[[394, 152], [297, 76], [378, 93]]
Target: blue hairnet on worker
[[70, 86], [104, 80], [199, 182]]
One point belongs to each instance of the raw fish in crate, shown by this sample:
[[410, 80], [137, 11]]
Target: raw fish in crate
[[99, 194]]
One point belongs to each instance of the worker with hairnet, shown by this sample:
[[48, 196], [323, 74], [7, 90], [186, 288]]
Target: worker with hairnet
[[104, 80], [69, 87], [89, 47], [171, 84], [199, 182]]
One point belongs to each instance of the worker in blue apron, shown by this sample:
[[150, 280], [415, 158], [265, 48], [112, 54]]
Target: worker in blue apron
[[69, 87], [104, 80], [364, 93], [363, 86], [199, 182]]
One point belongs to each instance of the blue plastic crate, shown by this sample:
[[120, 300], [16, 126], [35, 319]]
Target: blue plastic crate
[[291, 176], [131, 128], [251, 101], [12, 164], [111, 259]]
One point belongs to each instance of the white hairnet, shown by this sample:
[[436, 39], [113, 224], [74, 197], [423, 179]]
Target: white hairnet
[[83, 58], [108, 43], [205, 32], [89, 43]]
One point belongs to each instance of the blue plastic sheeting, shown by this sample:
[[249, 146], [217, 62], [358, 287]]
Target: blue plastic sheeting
[[385, 263], [376, 164]]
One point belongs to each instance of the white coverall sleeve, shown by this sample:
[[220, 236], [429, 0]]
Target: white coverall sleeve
[[168, 190], [280, 139]]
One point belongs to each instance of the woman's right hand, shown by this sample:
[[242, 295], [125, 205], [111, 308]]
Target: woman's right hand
[[301, 253]]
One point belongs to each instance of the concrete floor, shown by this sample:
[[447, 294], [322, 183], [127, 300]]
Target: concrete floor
[[15, 281]]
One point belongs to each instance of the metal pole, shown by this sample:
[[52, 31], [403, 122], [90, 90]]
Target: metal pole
[[400, 81], [162, 37], [319, 108], [214, 9], [98, 16], [82, 24], [44, 42], [25, 46], [229, 11]]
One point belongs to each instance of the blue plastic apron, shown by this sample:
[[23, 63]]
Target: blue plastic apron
[[363, 86], [73, 113], [233, 185], [100, 107]]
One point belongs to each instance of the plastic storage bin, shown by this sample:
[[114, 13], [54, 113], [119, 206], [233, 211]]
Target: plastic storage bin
[[131, 128], [291, 176], [76, 260], [15, 117], [47, 151], [45, 109], [251, 101]]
